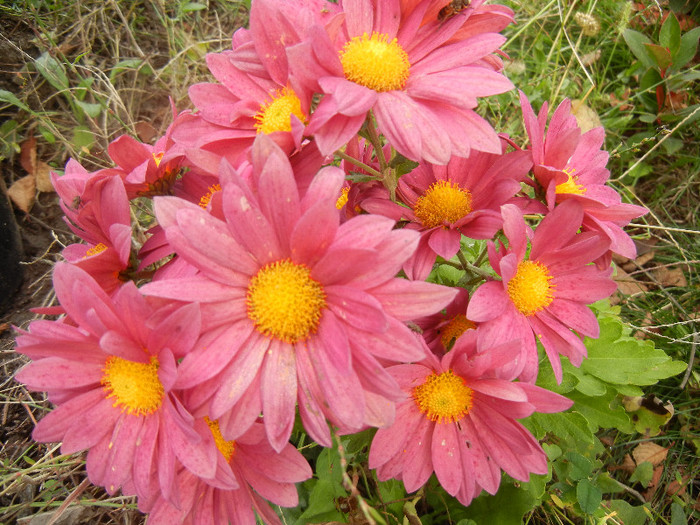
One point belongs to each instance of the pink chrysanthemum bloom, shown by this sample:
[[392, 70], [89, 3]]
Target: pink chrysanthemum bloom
[[110, 368], [445, 202], [545, 293], [459, 421], [257, 472], [97, 210], [253, 94], [571, 165], [422, 91], [295, 307], [441, 330]]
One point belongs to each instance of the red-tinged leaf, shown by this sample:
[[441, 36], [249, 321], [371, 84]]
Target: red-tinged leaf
[[660, 55]]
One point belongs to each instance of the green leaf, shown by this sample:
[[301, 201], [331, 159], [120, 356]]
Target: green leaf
[[659, 54], [589, 496], [566, 425], [678, 516], [392, 491], [635, 41], [590, 386], [83, 138], [670, 34], [643, 473], [322, 504], [687, 48], [617, 358], [90, 109], [626, 513], [601, 412], [580, 467], [506, 507], [648, 83], [53, 71], [10, 98], [192, 6]]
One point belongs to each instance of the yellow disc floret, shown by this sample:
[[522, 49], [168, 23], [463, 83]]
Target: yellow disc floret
[[451, 331], [530, 289], [571, 185], [375, 62], [443, 398], [227, 448], [443, 202], [343, 199], [134, 386], [206, 198], [98, 248], [284, 302], [276, 114]]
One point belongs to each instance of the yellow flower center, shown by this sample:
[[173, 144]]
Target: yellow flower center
[[206, 198], [443, 202], [443, 398], [284, 302], [530, 289], [375, 62], [343, 199], [157, 157], [450, 332], [99, 248], [275, 115], [134, 386], [227, 448], [571, 185]]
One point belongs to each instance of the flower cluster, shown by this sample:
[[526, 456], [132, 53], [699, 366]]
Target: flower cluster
[[287, 269]]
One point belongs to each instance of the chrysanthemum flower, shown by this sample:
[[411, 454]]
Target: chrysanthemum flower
[[545, 293], [441, 330], [295, 307], [110, 369], [257, 472], [459, 421], [96, 208], [445, 202], [571, 165], [421, 90]]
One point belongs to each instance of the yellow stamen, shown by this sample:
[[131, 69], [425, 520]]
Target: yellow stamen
[[443, 398], [275, 115], [450, 332], [134, 386], [443, 202], [99, 248], [227, 448], [343, 199], [375, 62], [530, 289], [571, 185], [284, 302], [158, 157], [206, 198]]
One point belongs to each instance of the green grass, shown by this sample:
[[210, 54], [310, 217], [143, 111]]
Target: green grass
[[88, 89]]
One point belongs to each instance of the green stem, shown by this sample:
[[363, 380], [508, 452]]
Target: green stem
[[468, 267], [359, 164]]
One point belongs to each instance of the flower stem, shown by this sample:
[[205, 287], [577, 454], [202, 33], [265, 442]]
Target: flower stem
[[359, 164]]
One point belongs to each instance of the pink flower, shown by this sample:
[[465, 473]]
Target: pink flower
[[459, 421], [295, 306], [571, 165], [546, 293], [382, 59], [253, 472], [110, 368], [443, 329], [445, 202], [99, 214]]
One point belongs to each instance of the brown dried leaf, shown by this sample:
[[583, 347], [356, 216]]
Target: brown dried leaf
[[145, 131], [645, 258], [628, 464], [23, 193], [42, 175], [670, 277], [27, 155], [590, 58], [651, 452], [586, 118], [655, 478], [627, 285]]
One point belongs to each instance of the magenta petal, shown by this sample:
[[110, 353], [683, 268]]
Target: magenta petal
[[200, 289], [279, 392], [53, 373], [356, 308], [499, 388], [54, 425], [446, 457], [444, 242], [576, 315], [310, 401], [408, 300], [177, 332], [313, 233], [545, 400], [418, 468], [92, 426], [488, 302], [389, 442]]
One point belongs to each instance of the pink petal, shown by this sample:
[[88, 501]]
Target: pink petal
[[408, 300], [279, 393], [446, 457], [488, 302]]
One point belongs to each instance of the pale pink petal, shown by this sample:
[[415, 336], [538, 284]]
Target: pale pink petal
[[445, 451], [407, 300], [279, 392]]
